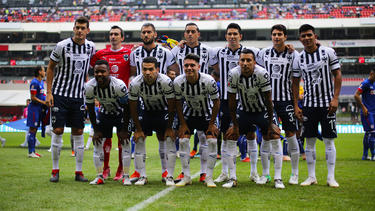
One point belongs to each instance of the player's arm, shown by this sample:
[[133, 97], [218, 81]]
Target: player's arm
[[123, 134], [295, 91], [211, 124], [50, 73], [273, 129], [134, 114], [171, 113], [337, 87], [35, 99], [184, 129], [357, 97], [92, 115], [232, 132]]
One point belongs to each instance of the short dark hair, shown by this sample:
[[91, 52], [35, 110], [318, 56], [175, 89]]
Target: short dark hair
[[279, 27], [147, 25], [234, 26], [100, 62], [192, 24], [151, 59], [117, 27], [306, 27], [82, 19], [37, 69], [193, 57], [247, 51]]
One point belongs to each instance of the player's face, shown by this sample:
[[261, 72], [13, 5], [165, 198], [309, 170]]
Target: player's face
[[191, 68], [150, 72], [148, 35], [42, 72], [101, 74], [80, 31], [115, 36], [372, 75], [191, 34], [171, 74], [233, 36], [278, 37], [247, 64], [308, 38]]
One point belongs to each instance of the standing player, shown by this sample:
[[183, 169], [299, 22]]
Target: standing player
[[155, 91], [317, 64], [252, 84], [118, 58], [112, 95], [34, 110], [226, 59], [65, 92], [278, 62], [367, 90], [199, 91]]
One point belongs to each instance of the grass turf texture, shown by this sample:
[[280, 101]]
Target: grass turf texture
[[25, 183]]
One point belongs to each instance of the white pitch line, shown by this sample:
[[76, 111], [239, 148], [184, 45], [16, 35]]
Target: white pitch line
[[160, 194]]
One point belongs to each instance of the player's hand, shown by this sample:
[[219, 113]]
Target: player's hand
[[212, 130], [123, 136], [365, 111], [49, 100], [169, 132], [97, 137], [298, 113], [182, 43], [183, 131], [273, 130], [139, 134], [333, 106], [290, 48], [233, 133]]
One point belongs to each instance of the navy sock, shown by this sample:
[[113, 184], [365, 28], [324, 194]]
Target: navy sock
[[285, 147], [371, 142], [242, 144], [365, 146], [31, 142], [133, 144]]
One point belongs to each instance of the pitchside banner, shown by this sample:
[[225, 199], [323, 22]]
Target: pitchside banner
[[20, 126]]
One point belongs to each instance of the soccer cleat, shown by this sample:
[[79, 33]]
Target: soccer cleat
[[246, 160], [50, 149], [169, 181], [309, 181], [218, 157], [293, 180], [37, 154], [202, 177], [55, 175], [303, 156], [332, 183], [135, 176], [231, 183], [193, 153], [222, 178], [3, 140], [87, 148], [126, 180], [118, 175], [106, 173], [98, 180], [254, 177], [279, 184], [286, 158], [73, 154], [141, 181], [23, 145], [33, 155], [164, 176], [263, 180], [186, 180], [179, 178], [80, 177], [178, 154], [210, 182]]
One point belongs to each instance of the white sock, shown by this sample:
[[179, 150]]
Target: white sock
[[56, 144], [265, 150], [140, 157], [185, 155], [310, 156], [99, 157], [330, 156], [89, 140], [203, 151], [277, 151], [163, 155], [252, 149], [293, 149], [126, 157], [212, 156], [232, 153], [79, 148], [171, 156], [224, 168]]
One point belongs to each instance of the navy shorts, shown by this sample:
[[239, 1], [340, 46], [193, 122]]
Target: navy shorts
[[249, 120], [68, 112], [34, 113], [197, 123], [368, 122], [285, 111], [154, 121], [106, 123], [224, 116], [311, 119]]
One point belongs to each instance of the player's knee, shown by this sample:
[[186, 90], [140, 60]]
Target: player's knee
[[250, 135], [77, 131], [58, 131], [289, 133]]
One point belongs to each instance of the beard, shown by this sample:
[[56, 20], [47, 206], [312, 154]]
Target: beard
[[150, 41]]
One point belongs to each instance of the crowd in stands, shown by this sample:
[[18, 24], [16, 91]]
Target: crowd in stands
[[252, 11]]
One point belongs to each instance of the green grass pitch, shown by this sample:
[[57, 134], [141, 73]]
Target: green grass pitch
[[24, 183]]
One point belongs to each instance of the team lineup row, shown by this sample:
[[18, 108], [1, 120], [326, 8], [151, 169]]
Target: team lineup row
[[261, 81]]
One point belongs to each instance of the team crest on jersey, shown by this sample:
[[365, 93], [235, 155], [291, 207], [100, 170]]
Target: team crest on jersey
[[78, 66], [316, 77], [232, 65], [289, 108], [160, 53], [126, 57], [276, 71], [289, 57], [114, 68]]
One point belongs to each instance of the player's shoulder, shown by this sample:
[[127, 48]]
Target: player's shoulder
[[253, 49], [90, 85], [89, 42], [235, 71], [116, 81], [266, 50], [64, 42], [161, 48], [137, 51], [206, 77], [137, 80], [163, 77], [180, 79], [259, 70]]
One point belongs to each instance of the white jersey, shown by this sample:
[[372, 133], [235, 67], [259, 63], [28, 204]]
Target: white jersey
[[204, 52], [227, 60], [198, 97], [153, 97], [315, 70], [279, 67], [111, 99], [73, 65], [163, 55], [249, 89]]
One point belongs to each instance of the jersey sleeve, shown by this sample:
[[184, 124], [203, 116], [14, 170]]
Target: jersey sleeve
[[170, 58], [333, 60], [297, 72], [122, 92], [260, 57], [94, 59], [177, 90], [56, 54], [168, 88], [132, 58], [133, 90], [214, 55], [363, 87], [232, 81], [34, 88], [175, 51], [265, 83], [89, 92], [213, 90]]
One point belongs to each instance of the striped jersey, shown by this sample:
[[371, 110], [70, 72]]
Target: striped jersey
[[198, 97], [280, 68], [111, 99], [73, 65], [163, 55], [249, 89], [153, 97], [204, 52], [315, 70], [227, 60]]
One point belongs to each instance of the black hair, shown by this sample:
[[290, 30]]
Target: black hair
[[306, 27], [147, 25], [192, 24], [234, 26], [82, 19], [193, 57], [36, 70], [101, 61], [117, 27], [247, 51], [151, 59], [279, 27]]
